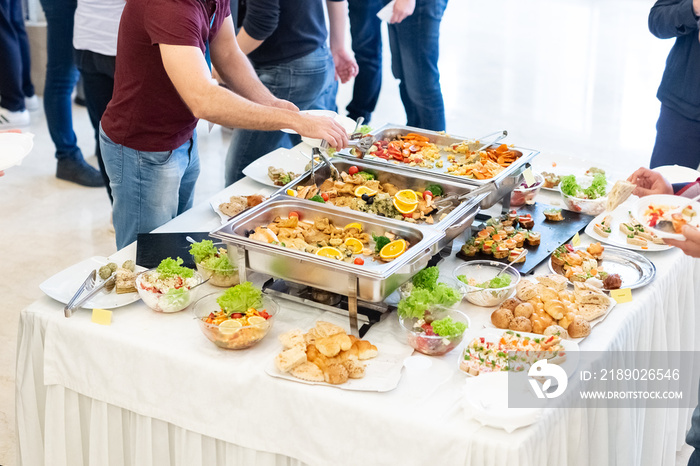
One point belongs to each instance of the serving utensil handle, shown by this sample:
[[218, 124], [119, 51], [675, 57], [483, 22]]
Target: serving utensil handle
[[91, 293]]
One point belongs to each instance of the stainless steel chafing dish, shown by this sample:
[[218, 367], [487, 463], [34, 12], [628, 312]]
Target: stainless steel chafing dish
[[504, 182], [452, 225], [372, 282]]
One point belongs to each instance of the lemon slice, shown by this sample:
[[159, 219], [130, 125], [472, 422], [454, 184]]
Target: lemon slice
[[360, 190], [404, 208], [258, 321], [330, 252], [407, 196], [393, 249], [227, 327], [355, 245], [354, 225], [291, 192]]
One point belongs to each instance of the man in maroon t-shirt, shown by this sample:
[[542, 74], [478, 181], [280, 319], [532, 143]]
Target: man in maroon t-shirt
[[162, 86]]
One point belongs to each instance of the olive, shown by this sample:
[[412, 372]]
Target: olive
[[365, 197], [370, 200]]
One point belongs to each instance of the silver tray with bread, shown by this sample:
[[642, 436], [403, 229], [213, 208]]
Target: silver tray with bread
[[321, 246], [452, 158], [451, 211]]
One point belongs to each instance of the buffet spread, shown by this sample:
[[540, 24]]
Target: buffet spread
[[405, 202]]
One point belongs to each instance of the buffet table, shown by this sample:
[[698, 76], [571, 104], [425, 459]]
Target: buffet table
[[150, 389]]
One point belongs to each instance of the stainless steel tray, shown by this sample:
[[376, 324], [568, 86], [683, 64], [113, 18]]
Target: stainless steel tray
[[455, 223], [634, 269], [505, 181], [375, 280]]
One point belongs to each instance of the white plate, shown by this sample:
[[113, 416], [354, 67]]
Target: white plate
[[668, 200], [492, 334], [678, 174], [14, 147], [287, 159], [225, 196], [344, 121], [616, 237], [64, 284], [382, 373]]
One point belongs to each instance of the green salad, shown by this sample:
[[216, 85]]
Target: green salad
[[596, 190]]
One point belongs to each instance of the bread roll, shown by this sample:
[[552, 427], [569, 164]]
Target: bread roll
[[308, 371], [556, 330], [566, 320], [365, 350], [328, 347], [289, 359], [292, 338], [511, 303], [579, 328], [521, 324], [525, 290], [524, 310], [502, 317], [540, 321], [336, 374]]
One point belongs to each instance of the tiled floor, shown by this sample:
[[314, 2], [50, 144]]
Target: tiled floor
[[569, 77]]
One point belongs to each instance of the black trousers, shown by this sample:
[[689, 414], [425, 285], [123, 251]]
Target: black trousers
[[97, 72], [15, 67], [677, 140]]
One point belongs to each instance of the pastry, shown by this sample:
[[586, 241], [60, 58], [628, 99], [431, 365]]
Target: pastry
[[533, 238], [521, 324], [612, 282], [308, 371], [557, 331], [621, 190], [356, 370], [555, 308], [502, 317], [595, 250], [592, 311], [336, 374], [292, 338], [125, 281], [602, 230], [526, 221], [546, 293], [501, 251], [553, 280], [519, 239], [515, 253], [331, 346], [579, 328], [553, 215], [289, 359], [567, 319], [524, 310], [365, 350], [511, 303], [326, 329], [540, 321]]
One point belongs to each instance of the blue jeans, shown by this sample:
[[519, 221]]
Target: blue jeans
[[308, 82], [415, 47], [61, 76], [15, 80], [149, 188]]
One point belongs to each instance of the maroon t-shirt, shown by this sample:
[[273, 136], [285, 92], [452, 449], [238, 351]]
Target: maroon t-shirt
[[146, 112]]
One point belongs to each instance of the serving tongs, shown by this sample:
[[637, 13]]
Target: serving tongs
[[491, 139], [72, 306], [451, 201], [89, 284], [335, 174]]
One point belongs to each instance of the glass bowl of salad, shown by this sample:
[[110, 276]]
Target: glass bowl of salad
[[169, 287], [237, 318], [435, 336], [487, 283], [525, 194], [585, 194], [214, 264]]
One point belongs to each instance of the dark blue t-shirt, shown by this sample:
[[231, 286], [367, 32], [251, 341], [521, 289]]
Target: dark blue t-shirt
[[290, 29]]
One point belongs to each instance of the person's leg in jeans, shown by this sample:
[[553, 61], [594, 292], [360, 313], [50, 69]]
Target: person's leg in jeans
[[149, 188], [97, 71], [365, 30], [677, 140], [17, 19], [61, 77], [11, 67], [308, 82], [415, 46]]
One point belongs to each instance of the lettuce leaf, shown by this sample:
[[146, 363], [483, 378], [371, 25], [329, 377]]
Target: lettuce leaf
[[240, 298], [219, 264], [426, 278], [172, 268], [569, 186], [420, 299], [202, 250], [597, 189], [448, 328]]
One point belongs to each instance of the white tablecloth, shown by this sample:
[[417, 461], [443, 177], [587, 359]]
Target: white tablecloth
[[151, 390]]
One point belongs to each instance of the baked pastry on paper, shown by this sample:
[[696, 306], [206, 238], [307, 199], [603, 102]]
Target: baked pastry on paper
[[619, 193]]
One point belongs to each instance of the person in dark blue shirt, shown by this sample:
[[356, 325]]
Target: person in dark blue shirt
[[678, 127], [286, 43]]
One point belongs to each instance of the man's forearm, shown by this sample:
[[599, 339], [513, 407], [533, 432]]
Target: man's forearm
[[337, 14], [240, 77]]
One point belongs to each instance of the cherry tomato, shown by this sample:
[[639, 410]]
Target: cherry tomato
[[352, 170], [237, 315], [427, 194], [569, 248], [265, 315], [325, 195], [293, 214], [359, 261]]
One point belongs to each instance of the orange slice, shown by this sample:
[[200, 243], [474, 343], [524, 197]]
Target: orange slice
[[330, 252], [404, 208], [354, 225], [355, 245], [393, 249], [291, 192], [407, 196], [360, 190]]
